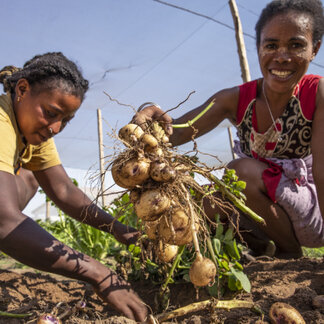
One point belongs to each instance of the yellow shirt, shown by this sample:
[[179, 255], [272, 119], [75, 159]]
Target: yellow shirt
[[14, 153]]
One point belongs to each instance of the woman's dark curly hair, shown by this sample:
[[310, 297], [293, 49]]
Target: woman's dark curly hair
[[313, 8], [47, 72]]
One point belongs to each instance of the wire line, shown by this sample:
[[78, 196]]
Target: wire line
[[202, 15]]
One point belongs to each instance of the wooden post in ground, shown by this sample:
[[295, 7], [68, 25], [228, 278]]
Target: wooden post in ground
[[240, 42], [101, 159], [241, 52], [48, 207]]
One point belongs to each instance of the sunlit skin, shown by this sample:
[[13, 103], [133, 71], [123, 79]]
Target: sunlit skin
[[36, 112], [284, 57]]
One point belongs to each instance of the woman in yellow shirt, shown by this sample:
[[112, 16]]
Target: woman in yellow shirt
[[41, 98]]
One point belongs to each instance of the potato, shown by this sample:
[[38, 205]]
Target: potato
[[132, 173], [158, 131], [151, 204], [202, 272], [130, 133], [150, 228], [149, 141], [166, 252], [175, 229], [48, 319], [134, 195], [282, 313], [162, 172], [155, 152]]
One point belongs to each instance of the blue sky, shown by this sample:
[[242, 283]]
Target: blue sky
[[136, 51]]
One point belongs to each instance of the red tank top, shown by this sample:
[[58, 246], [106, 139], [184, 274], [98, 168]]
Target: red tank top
[[294, 125]]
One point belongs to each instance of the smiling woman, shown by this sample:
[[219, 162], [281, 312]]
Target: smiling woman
[[279, 120], [40, 99]]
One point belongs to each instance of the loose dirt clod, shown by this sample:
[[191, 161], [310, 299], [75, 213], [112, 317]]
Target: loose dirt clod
[[318, 301]]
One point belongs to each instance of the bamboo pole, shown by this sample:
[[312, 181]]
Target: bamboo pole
[[48, 207], [101, 159], [231, 141], [240, 42], [242, 56]]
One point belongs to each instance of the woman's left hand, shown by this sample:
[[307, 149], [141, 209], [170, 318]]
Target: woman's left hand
[[125, 234]]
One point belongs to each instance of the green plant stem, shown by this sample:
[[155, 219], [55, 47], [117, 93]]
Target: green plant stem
[[174, 265], [241, 206], [15, 315], [190, 122], [210, 303], [213, 256]]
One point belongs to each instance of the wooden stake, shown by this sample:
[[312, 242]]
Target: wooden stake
[[48, 208], [242, 56], [240, 42], [101, 159]]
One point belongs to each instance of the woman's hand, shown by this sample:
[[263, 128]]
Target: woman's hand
[[153, 113], [118, 293], [125, 234]]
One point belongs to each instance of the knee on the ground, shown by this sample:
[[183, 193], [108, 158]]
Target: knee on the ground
[[247, 169]]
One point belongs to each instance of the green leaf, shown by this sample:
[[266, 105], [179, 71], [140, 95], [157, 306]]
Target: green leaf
[[239, 266], [229, 235], [186, 277], [219, 230], [225, 265], [240, 185], [216, 245], [232, 283], [213, 290], [232, 250], [243, 278]]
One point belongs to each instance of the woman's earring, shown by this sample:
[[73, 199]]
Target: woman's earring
[[18, 98]]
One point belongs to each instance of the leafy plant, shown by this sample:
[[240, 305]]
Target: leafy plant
[[138, 261], [82, 237], [228, 255]]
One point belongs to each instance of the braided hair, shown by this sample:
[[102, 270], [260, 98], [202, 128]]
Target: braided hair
[[313, 8], [46, 72]]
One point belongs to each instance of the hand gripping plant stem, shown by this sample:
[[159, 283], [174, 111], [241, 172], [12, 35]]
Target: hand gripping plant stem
[[190, 122]]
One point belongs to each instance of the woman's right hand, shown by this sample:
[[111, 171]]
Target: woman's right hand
[[153, 113], [118, 293]]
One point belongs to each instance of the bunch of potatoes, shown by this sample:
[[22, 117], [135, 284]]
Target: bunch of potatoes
[[150, 171]]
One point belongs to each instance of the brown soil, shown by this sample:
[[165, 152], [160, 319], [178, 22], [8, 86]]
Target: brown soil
[[294, 282]]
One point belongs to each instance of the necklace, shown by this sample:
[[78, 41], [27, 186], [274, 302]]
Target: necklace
[[268, 106]]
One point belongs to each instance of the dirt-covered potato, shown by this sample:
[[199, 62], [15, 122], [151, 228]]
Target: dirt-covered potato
[[149, 141], [151, 204], [166, 252], [282, 313], [130, 133], [175, 229], [150, 228], [131, 173], [154, 152], [202, 272], [134, 195], [162, 172]]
